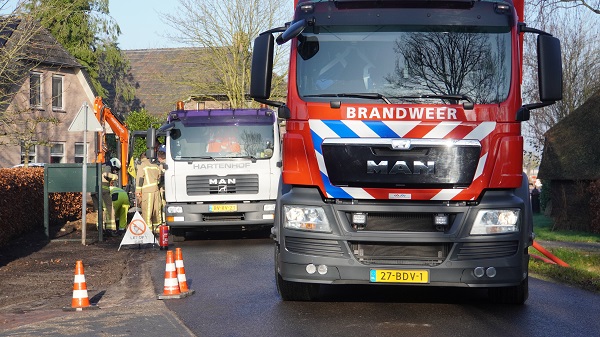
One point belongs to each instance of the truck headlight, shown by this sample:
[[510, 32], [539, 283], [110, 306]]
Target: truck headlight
[[496, 221], [307, 218], [174, 209]]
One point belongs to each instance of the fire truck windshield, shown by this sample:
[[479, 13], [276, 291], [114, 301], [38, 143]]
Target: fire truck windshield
[[401, 64], [221, 141]]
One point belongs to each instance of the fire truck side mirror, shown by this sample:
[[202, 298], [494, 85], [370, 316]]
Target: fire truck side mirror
[[151, 143], [549, 68], [262, 66]]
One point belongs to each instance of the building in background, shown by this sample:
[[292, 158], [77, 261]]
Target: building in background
[[570, 168], [48, 84], [161, 77]]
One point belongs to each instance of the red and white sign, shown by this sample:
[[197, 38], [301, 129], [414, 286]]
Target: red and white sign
[[137, 232]]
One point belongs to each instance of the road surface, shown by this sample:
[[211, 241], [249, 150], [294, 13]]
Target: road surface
[[236, 295]]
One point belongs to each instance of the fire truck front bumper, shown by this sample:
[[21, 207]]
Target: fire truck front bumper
[[490, 272]]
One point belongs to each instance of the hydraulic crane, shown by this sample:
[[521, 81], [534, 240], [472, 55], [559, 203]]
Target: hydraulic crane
[[105, 115]]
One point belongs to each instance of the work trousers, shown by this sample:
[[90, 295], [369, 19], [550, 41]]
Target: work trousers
[[152, 208], [108, 212], [120, 202]]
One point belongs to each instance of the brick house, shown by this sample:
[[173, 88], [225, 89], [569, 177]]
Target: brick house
[[50, 84]]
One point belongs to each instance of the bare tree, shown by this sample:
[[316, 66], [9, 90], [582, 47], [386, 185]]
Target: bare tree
[[592, 5], [226, 29], [13, 46], [27, 128], [531, 161], [449, 63], [577, 30]]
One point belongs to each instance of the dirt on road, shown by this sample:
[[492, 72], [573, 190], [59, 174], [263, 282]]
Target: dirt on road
[[37, 273]]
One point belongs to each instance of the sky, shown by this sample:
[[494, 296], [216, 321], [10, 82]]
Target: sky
[[139, 20], [140, 23]]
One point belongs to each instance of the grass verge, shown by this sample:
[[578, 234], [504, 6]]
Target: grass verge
[[543, 229], [584, 264]]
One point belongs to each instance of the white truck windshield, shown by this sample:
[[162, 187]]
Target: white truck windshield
[[221, 141]]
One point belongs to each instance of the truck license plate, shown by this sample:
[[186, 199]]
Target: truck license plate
[[399, 276], [222, 208]]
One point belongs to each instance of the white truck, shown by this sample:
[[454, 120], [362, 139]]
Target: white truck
[[223, 168]]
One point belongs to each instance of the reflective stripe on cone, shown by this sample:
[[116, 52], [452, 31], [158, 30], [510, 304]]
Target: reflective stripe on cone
[[183, 286], [80, 298], [171, 285]]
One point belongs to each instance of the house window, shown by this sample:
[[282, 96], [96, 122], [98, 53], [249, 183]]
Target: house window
[[35, 90], [30, 154], [57, 153], [57, 92], [79, 153]]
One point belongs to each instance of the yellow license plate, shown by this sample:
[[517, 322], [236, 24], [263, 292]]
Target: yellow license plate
[[222, 208], [399, 276]]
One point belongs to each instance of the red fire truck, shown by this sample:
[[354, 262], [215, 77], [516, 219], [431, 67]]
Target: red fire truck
[[402, 157]]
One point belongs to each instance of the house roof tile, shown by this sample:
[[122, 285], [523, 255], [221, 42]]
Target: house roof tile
[[41, 47], [161, 76]]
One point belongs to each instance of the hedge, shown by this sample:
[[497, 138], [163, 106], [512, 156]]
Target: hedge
[[22, 203]]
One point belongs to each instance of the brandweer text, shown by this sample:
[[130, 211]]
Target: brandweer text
[[400, 113]]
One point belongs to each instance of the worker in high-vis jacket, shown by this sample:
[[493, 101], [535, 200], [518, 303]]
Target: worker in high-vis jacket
[[109, 174], [146, 190], [120, 203]]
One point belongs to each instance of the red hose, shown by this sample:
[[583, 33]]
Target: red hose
[[552, 257], [542, 259]]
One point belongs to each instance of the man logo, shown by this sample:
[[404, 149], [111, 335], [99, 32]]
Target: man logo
[[228, 181], [222, 189], [400, 167]]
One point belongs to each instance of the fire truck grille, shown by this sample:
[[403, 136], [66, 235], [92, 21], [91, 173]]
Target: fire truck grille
[[230, 184], [427, 164], [316, 247], [401, 222], [486, 250], [400, 254]]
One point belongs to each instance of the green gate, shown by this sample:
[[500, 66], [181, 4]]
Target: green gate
[[69, 178]]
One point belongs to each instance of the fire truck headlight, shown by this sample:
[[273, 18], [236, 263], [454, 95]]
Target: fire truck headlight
[[496, 221], [306, 218]]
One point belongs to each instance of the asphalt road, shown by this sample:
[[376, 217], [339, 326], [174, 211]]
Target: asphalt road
[[235, 295]]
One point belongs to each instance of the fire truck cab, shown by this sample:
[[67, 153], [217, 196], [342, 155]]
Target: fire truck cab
[[402, 157]]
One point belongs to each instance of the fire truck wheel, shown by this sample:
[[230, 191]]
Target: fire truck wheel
[[510, 295], [294, 291]]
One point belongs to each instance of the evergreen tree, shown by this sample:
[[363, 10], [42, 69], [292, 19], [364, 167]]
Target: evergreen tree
[[86, 30], [140, 121]]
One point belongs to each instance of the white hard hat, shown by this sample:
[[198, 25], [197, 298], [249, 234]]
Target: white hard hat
[[114, 162]]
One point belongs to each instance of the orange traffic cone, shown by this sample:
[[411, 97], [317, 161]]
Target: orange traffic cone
[[80, 299], [183, 286], [171, 283]]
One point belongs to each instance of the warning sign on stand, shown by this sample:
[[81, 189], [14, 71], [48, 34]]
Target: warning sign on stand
[[137, 232]]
